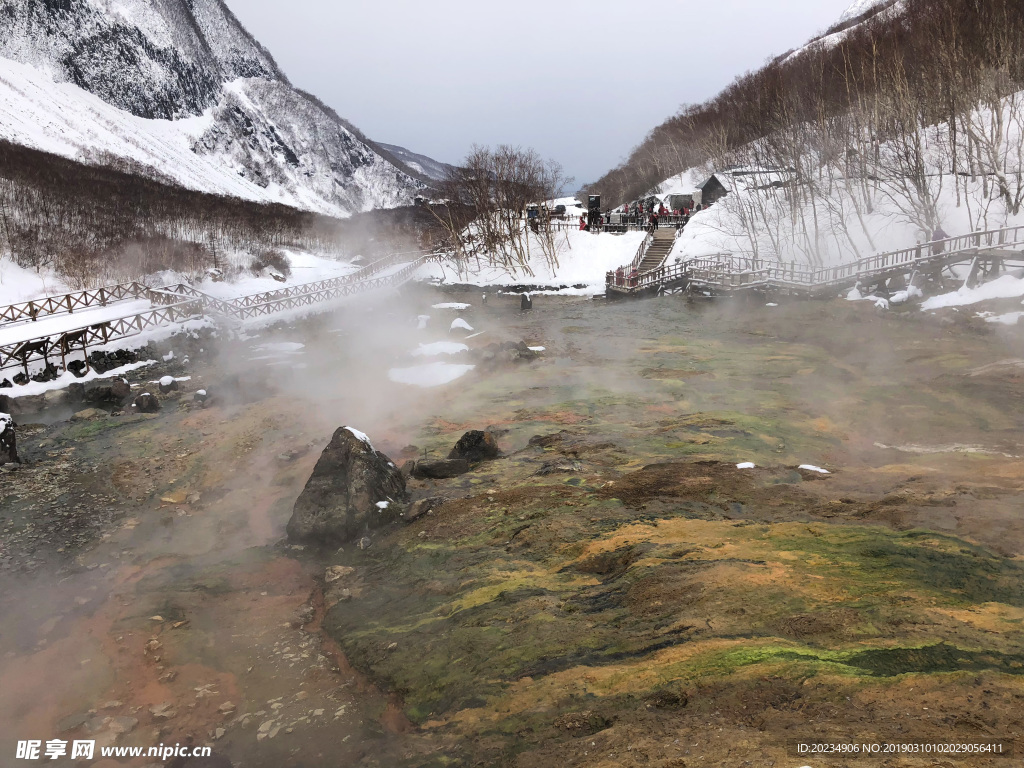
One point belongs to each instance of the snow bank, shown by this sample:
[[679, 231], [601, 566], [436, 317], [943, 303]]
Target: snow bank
[[583, 260], [65, 379], [18, 284], [746, 465], [439, 348], [452, 305], [1010, 318], [458, 323], [1005, 287], [431, 375]]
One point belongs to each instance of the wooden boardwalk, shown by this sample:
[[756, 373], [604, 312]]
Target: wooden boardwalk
[[728, 273], [176, 304]]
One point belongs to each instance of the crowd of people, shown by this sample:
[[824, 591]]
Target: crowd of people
[[648, 212]]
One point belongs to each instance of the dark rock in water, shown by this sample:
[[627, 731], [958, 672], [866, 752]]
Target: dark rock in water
[[76, 392], [525, 353], [419, 508], [120, 389], [21, 405], [439, 469], [8, 441], [525, 302], [475, 446], [560, 465], [341, 500], [146, 403], [116, 391], [78, 368]]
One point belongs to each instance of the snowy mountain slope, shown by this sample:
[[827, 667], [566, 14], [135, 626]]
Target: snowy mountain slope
[[859, 8], [233, 149], [858, 13], [182, 92], [432, 169]]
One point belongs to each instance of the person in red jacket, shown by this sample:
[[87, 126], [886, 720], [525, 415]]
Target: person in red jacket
[[583, 223]]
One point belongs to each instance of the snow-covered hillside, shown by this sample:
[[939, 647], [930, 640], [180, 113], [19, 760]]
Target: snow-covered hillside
[[830, 211], [859, 12], [179, 90], [583, 260], [432, 169]]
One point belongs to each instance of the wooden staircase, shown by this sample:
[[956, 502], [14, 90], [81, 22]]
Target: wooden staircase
[[658, 250]]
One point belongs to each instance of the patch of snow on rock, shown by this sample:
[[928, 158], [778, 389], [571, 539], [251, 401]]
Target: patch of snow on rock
[[812, 468], [439, 348], [430, 375], [361, 435]]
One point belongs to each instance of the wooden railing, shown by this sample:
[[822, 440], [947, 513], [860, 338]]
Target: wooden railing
[[69, 302], [176, 303], [23, 353], [732, 272], [305, 294], [336, 290]]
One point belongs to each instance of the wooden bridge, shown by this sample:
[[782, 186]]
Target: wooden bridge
[[172, 305], [729, 273]]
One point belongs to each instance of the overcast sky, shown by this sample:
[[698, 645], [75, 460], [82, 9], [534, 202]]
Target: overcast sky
[[580, 81]]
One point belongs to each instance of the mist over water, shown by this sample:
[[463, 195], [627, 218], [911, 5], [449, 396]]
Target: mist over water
[[803, 383]]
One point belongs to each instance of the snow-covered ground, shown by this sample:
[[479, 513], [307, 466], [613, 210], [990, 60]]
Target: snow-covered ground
[[429, 375], [583, 260], [1004, 287]]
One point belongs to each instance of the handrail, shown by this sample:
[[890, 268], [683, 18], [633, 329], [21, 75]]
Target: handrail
[[730, 272], [67, 303], [24, 352]]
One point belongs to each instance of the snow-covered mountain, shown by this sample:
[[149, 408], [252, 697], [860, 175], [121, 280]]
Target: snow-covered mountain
[[177, 89], [859, 12], [427, 166]]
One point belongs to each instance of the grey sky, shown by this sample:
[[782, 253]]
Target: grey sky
[[581, 81]]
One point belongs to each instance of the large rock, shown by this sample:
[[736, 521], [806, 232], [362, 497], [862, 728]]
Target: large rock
[[146, 403], [8, 441], [475, 446], [439, 469], [353, 489], [116, 391]]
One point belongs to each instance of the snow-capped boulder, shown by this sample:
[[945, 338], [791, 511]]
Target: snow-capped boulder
[[342, 498], [146, 403]]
